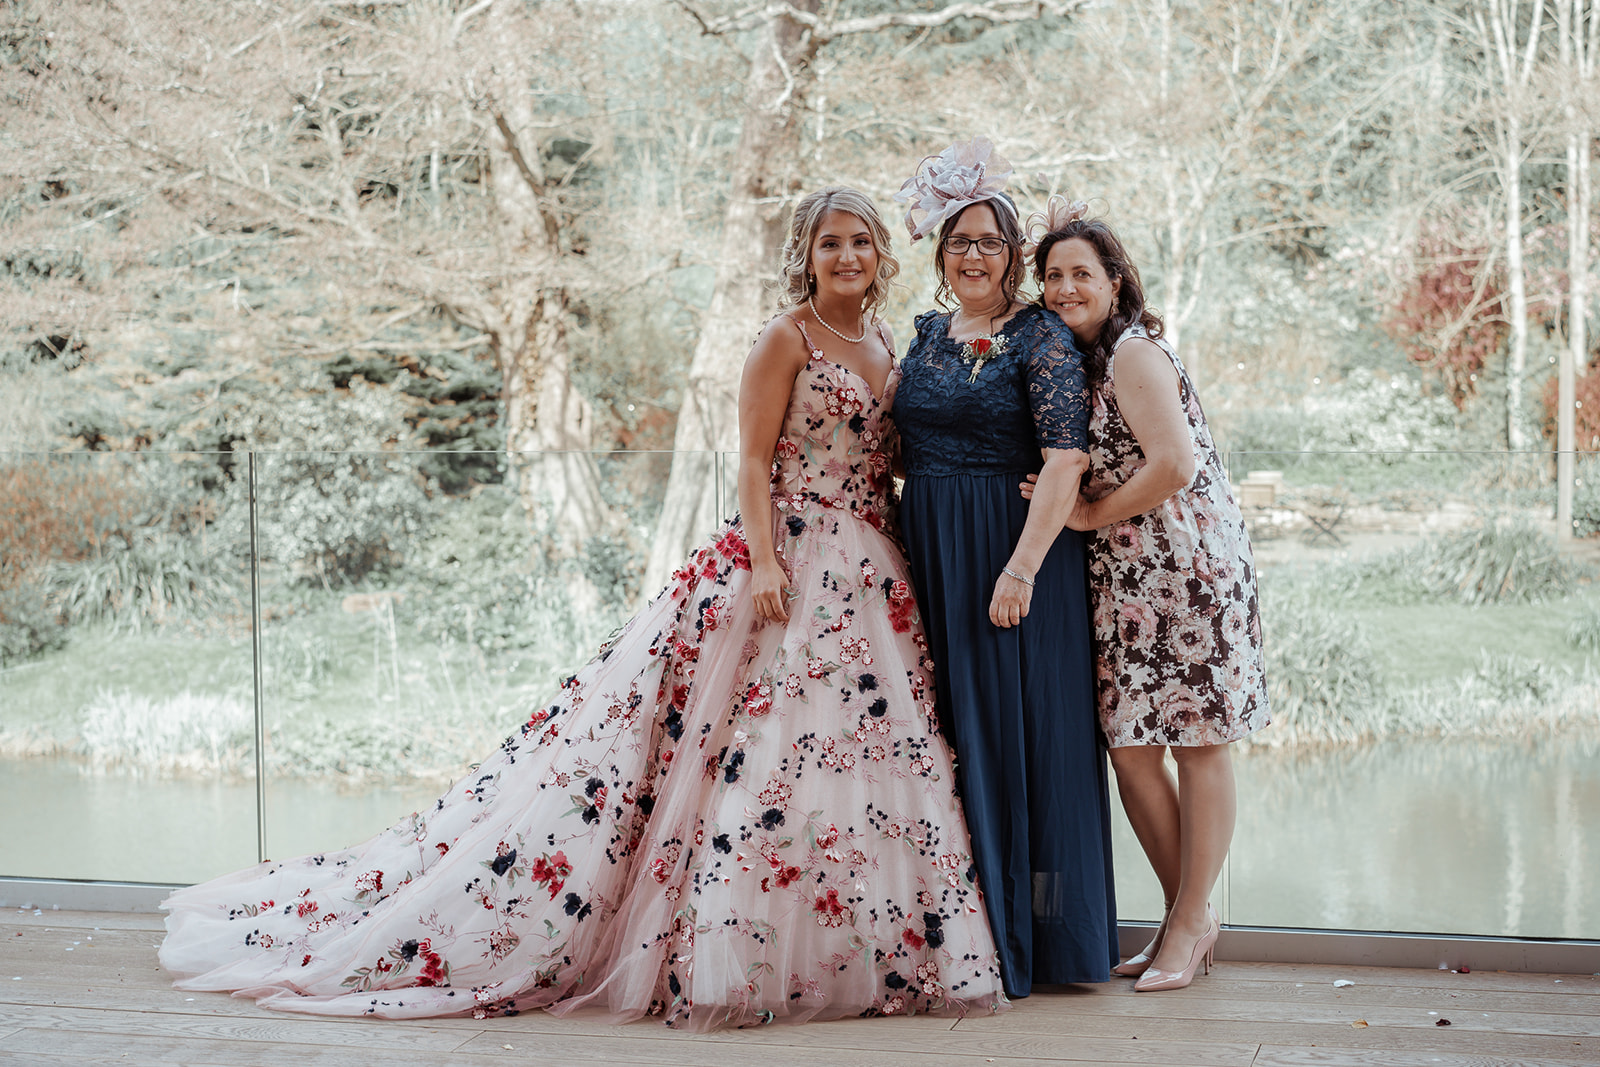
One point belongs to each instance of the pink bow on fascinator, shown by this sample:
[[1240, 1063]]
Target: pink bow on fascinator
[[1058, 212], [965, 173]]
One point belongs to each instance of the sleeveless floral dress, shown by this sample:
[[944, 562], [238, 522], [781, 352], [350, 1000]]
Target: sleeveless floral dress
[[1177, 622], [717, 821]]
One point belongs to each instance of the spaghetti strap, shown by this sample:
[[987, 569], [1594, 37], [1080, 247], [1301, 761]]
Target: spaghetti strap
[[811, 346], [883, 335]]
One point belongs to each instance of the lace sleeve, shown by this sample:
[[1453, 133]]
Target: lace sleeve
[[1057, 389]]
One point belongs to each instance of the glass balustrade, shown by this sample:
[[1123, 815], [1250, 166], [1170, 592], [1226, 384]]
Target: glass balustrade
[[127, 736], [1434, 662]]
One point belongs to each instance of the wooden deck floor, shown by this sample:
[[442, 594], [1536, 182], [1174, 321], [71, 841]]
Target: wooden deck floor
[[84, 988]]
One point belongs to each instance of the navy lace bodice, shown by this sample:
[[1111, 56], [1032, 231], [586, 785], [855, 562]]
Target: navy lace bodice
[[1029, 397]]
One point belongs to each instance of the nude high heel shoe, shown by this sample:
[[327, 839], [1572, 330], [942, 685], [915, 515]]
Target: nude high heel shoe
[[1134, 966], [1154, 980]]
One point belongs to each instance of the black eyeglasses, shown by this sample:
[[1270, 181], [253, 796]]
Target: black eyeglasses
[[989, 246]]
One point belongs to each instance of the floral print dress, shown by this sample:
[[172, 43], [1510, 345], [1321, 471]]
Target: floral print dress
[[1177, 622], [717, 821]]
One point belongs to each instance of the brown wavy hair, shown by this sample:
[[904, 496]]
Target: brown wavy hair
[[1005, 216], [1130, 307], [796, 283]]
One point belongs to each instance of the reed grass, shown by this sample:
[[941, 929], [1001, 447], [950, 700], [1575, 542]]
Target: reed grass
[[1584, 631], [209, 734]]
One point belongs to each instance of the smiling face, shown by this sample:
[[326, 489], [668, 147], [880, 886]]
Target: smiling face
[[844, 256], [977, 280], [1077, 288]]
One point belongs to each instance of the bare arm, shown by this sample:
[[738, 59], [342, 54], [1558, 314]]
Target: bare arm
[[1150, 401], [896, 446], [1053, 498], [764, 389]]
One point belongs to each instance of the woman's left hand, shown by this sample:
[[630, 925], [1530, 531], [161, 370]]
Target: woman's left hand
[[1081, 517], [1009, 605]]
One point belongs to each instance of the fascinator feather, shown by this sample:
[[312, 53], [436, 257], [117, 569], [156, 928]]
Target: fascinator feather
[[1058, 213], [966, 173]]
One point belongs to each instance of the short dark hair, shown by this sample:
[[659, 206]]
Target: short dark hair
[[1005, 214], [1117, 263]]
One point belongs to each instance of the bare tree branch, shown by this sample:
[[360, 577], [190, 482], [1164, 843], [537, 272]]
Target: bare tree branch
[[824, 29]]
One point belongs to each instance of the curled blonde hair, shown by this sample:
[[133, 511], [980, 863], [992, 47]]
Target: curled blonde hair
[[796, 281]]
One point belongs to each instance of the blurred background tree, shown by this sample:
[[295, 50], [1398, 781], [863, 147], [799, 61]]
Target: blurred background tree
[[545, 227]]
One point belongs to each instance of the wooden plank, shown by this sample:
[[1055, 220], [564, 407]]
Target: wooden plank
[[871, 1043], [36, 1047], [829, 1032], [1281, 1056], [96, 1049], [1526, 981], [1574, 1003], [1077, 1025], [19, 935], [1309, 1012], [280, 1029], [85, 920]]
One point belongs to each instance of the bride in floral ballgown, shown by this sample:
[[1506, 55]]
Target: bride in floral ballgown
[[740, 811]]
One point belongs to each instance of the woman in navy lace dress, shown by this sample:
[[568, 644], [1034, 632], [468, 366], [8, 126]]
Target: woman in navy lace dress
[[988, 392]]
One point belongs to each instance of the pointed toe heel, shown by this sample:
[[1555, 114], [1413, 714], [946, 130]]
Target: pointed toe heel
[[1135, 965], [1155, 980]]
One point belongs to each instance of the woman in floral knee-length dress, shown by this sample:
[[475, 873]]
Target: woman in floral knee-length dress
[[1177, 627], [741, 811]]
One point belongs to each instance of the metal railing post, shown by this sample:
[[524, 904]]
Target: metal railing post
[[255, 653]]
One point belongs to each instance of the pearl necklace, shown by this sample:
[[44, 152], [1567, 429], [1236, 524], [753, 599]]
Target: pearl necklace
[[810, 301]]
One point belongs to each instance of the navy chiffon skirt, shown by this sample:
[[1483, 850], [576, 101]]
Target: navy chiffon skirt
[[1017, 705]]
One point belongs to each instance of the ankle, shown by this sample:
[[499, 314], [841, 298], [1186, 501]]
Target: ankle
[[1189, 923]]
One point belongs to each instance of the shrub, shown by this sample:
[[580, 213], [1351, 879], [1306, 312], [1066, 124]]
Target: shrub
[[160, 577], [1513, 680], [336, 502], [1364, 412], [1586, 496], [59, 509], [1584, 633], [482, 578], [1510, 561], [187, 731], [1498, 561], [1322, 673], [29, 623]]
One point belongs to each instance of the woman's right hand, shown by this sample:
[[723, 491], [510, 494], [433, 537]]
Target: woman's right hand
[[769, 588]]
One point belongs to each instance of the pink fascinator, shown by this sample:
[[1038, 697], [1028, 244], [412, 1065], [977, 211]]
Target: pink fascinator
[[1058, 212], [963, 174]]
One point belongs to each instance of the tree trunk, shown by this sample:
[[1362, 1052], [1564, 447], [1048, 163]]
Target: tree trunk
[[752, 235], [547, 421], [1517, 359], [1573, 353]]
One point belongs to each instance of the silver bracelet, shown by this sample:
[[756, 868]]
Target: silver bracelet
[[1021, 578]]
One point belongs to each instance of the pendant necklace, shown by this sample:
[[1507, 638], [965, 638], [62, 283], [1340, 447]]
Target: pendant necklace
[[810, 301]]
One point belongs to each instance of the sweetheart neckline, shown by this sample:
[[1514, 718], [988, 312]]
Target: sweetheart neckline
[[876, 399]]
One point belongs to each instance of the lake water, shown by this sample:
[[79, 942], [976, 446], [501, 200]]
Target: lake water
[[1432, 837]]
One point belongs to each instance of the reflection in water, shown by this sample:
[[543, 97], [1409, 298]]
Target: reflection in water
[[1427, 836], [1423, 835], [1457, 837], [56, 821]]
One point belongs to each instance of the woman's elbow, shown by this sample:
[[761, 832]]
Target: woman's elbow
[[1176, 471]]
